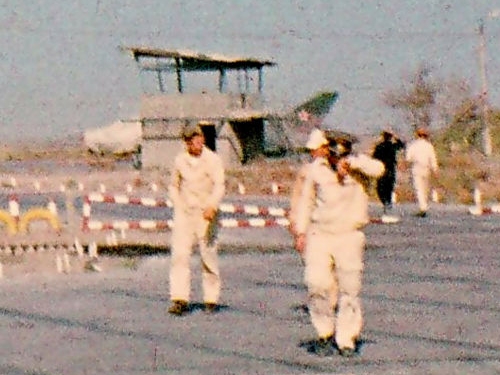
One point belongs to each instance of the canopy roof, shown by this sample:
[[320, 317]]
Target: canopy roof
[[190, 60]]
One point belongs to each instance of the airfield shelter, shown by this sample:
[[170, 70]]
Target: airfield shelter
[[224, 94]]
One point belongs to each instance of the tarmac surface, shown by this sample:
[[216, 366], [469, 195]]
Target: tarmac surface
[[430, 298]]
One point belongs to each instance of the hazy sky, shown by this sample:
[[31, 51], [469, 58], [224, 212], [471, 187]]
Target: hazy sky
[[62, 70]]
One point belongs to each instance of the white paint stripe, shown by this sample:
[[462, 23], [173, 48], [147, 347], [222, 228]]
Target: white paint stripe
[[95, 225], [225, 207], [121, 199], [120, 224], [276, 211], [148, 224], [96, 197], [250, 209], [149, 202]]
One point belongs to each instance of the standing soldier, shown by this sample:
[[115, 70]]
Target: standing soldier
[[196, 190], [422, 156], [329, 236], [386, 151], [319, 148]]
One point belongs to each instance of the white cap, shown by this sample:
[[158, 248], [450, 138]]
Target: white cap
[[316, 140]]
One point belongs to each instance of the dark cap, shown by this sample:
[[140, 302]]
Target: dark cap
[[190, 131]]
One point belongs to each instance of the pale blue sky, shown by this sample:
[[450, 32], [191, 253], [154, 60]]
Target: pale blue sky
[[62, 70]]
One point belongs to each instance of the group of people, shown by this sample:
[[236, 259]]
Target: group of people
[[420, 154], [328, 210]]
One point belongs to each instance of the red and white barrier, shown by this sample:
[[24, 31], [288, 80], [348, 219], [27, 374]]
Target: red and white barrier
[[276, 216], [168, 224]]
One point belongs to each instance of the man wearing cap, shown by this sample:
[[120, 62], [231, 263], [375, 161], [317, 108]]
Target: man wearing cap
[[422, 156], [386, 151], [319, 148], [196, 190], [331, 211]]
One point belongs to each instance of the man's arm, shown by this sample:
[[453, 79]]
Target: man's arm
[[175, 184], [218, 187], [366, 165]]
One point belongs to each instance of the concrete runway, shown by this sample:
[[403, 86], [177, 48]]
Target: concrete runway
[[430, 299]]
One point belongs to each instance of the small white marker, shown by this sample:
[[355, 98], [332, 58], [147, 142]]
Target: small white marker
[[477, 197], [102, 188], [59, 264], [36, 185], [93, 250], [129, 188], [435, 196], [51, 206], [394, 197], [67, 265], [78, 247], [241, 189], [274, 188], [154, 187]]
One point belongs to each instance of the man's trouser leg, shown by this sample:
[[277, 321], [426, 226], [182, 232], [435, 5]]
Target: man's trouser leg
[[349, 316], [320, 280], [210, 263], [348, 251], [181, 248], [421, 183]]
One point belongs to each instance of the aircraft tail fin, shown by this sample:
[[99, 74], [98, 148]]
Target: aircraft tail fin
[[319, 105]]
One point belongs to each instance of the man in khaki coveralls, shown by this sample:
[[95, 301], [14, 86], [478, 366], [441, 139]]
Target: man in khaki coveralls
[[329, 236], [319, 147], [196, 190]]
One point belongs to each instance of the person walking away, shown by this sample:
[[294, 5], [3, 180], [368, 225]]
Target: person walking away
[[196, 190], [422, 157], [329, 236], [386, 151]]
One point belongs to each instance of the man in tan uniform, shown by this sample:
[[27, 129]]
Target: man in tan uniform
[[422, 156], [319, 147], [196, 190], [329, 237]]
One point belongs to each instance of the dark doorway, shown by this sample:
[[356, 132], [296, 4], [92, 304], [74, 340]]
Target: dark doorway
[[210, 135]]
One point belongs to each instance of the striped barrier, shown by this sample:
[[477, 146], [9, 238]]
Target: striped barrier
[[277, 216], [88, 224], [155, 202], [168, 224]]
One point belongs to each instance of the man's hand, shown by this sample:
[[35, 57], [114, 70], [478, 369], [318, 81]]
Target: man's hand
[[300, 243], [343, 169], [209, 213]]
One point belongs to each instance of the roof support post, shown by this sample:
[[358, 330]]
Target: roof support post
[[178, 70], [222, 80], [247, 82], [160, 81], [261, 80]]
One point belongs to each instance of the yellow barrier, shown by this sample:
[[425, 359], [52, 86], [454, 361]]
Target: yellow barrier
[[9, 221], [38, 214]]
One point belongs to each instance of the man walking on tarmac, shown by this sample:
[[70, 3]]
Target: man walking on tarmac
[[196, 190], [329, 236], [422, 156], [386, 151]]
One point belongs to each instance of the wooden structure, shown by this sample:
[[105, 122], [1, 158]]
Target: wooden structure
[[233, 113]]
